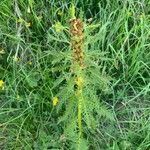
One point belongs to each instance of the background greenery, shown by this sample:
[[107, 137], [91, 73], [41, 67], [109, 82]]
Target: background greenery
[[29, 55]]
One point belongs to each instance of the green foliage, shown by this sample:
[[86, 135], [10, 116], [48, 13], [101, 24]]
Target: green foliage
[[36, 65]]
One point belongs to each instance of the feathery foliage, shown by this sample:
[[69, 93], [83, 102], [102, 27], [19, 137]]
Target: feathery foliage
[[59, 90]]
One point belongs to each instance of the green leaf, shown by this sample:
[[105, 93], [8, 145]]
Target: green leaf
[[33, 79]]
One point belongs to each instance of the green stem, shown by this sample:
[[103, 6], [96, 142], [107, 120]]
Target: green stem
[[80, 111], [80, 102]]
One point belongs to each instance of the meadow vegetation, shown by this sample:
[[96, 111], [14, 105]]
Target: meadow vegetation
[[75, 75]]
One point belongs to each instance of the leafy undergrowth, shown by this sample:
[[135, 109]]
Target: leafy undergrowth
[[40, 88]]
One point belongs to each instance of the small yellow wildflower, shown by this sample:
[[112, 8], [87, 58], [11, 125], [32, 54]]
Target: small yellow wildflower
[[16, 59], [55, 101], [20, 20], [28, 24], [2, 51], [79, 81], [30, 62], [129, 13], [58, 27], [1, 84], [60, 13]]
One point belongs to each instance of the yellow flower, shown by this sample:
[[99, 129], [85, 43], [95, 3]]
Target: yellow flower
[[16, 59], [28, 24], [30, 62], [55, 101], [60, 13], [40, 18], [1, 84], [20, 20], [2, 51], [79, 81], [58, 27]]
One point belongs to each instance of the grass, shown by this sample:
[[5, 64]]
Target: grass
[[35, 66]]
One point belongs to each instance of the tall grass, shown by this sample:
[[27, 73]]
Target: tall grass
[[40, 89]]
